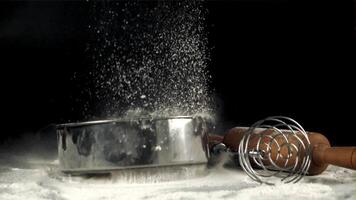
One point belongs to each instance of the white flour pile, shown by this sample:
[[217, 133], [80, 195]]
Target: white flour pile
[[30, 178]]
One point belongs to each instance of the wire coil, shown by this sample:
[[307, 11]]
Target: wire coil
[[276, 146]]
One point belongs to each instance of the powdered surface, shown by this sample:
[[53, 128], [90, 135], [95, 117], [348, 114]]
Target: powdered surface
[[37, 178]]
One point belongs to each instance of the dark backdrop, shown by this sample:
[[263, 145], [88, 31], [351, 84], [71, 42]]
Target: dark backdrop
[[267, 58]]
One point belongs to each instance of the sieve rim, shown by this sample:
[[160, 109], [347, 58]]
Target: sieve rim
[[118, 120]]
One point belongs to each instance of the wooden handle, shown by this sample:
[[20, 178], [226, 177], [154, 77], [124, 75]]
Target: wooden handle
[[322, 153], [317, 142], [215, 139], [339, 156]]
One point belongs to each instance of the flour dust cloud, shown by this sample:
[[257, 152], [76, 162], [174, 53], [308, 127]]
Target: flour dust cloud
[[149, 57]]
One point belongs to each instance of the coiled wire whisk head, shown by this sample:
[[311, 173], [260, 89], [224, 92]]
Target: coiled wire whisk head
[[275, 146]]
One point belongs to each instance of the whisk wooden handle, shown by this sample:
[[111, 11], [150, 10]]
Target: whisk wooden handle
[[322, 153]]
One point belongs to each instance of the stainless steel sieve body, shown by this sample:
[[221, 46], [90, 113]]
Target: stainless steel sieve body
[[116, 144]]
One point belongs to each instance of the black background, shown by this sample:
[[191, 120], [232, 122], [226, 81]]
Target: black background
[[267, 58]]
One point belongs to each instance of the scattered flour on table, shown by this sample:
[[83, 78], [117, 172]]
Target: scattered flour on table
[[288, 191], [41, 180]]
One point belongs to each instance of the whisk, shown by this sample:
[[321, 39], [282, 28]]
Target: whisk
[[279, 147]]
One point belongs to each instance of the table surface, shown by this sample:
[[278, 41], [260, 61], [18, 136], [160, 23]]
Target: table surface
[[28, 177]]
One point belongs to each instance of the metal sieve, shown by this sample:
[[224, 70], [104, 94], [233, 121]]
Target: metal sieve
[[107, 145]]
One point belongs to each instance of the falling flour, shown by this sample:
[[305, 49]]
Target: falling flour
[[149, 57]]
